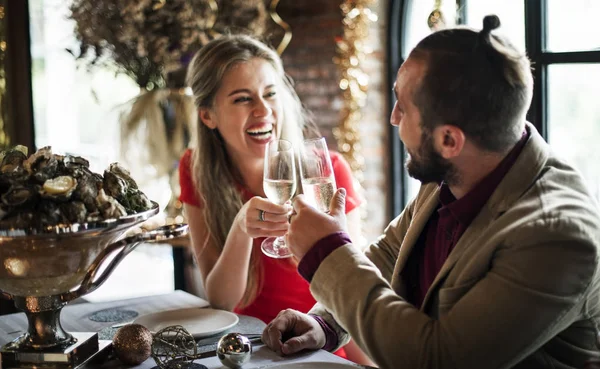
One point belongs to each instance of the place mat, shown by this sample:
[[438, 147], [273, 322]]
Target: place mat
[[113, 315], [187, 366]]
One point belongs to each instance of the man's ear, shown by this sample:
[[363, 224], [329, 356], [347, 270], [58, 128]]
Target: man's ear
[[449, 140], [206, 116]]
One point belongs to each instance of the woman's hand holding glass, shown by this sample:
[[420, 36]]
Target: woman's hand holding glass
[[279, 184], [260, 217]]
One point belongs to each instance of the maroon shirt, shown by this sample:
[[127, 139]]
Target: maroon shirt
[[447, 224], [441, 233]]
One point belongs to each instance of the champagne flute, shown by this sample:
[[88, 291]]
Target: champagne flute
[[279, 183], [316, 172]]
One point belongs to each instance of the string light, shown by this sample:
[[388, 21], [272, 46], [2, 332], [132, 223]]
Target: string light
[[354, 82]]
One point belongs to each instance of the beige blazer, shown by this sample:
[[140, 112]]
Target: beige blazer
[[520, 288]]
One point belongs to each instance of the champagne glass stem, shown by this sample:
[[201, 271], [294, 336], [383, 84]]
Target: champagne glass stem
[[279, 243]]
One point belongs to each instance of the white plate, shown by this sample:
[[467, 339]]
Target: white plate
[[314, 365], [200, 322]]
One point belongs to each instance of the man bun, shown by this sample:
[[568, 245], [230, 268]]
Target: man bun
[[490, 23]]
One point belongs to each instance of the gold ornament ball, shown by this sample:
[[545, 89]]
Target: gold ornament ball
[[132, 344]]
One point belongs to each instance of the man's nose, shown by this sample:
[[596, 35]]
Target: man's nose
[[395, 116]]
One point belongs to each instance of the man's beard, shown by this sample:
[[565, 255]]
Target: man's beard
[[428, 165]]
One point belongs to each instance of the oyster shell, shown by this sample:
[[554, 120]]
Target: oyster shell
[[119, 184], [120, 171], [18, 195], [11, 160], [114, 185], [42, 165], [88, 184], [135, 201], [75, 162], [109, 206], [60, 188], [11, 166], [49, 213], [74, 211]]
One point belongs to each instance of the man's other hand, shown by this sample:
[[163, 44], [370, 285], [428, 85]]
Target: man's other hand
[[292, 331]]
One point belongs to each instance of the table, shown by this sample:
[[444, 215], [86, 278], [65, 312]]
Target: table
[[76, 318]]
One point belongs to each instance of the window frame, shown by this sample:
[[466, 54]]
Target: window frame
[[17, 66], [536, 24], [396, 154]]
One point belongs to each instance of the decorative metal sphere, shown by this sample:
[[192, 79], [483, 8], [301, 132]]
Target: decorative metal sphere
[[132, 344], [234, 350]]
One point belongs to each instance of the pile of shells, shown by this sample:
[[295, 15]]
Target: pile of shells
[[47, 189]]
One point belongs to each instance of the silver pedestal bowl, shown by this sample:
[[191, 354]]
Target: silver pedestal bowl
[[42, 270]]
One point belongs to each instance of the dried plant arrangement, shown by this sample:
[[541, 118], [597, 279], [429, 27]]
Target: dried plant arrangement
[[146, 39]]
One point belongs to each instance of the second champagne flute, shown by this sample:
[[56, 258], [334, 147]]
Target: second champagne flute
[[316, 171], [279, 183]]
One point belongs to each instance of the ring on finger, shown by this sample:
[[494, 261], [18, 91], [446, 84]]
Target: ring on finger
[[261, 215]]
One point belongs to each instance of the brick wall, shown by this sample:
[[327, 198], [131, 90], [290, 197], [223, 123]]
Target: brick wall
[[308, 60]]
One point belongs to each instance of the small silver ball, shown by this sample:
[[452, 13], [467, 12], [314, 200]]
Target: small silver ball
[[234, 350]]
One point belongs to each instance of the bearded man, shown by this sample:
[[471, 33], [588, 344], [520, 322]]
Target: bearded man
[[494, 264]]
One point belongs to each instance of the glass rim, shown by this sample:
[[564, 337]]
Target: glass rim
[[309, 140], [278, 141]]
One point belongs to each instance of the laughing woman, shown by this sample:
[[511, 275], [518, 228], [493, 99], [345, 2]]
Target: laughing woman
[[244, 100]]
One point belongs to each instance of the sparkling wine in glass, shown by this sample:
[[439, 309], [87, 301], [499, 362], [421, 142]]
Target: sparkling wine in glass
[[279, 183], [318, 181]]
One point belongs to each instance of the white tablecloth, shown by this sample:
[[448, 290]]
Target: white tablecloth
[[75, 318]]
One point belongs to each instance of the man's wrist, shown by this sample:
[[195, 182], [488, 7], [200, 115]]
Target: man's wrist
[[331, 339], [321, 249]]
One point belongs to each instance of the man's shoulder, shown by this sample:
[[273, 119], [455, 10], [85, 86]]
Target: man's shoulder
[[559, 202]]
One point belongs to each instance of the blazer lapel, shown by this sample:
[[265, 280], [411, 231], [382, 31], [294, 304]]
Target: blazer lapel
[[524, 171], [419, 220]]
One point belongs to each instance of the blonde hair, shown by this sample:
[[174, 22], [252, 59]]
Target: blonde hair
[[215, 176]]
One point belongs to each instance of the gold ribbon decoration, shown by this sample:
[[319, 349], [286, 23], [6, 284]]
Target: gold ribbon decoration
[[159, 4], [436, 20], [287, 37], [352, 47], [214, 7]]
